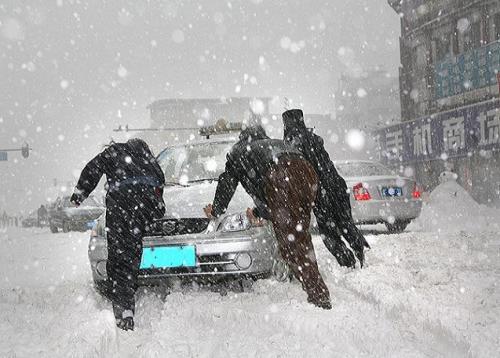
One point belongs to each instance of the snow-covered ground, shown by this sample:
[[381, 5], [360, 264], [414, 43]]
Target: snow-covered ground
[[430, 292], [421, 295]]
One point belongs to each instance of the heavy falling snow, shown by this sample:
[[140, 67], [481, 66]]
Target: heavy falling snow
[[399, 98], [421, 294]]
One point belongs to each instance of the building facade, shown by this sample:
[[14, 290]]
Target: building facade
[[449, 88], [368, 101], [193, 113]]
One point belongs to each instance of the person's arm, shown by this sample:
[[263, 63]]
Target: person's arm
[[226, 186], [89, 178]]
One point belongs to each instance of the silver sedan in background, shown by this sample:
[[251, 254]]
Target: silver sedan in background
[[378, 195]]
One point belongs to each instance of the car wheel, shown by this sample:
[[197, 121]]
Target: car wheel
[[398, 226], [53, 228], [246, 285], [281, 271], [66, 227]]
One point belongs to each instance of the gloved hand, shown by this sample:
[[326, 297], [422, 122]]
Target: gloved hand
[[341, 252], [76, 199], [254, 220], [346, 258], [208, 211], [358, 248]]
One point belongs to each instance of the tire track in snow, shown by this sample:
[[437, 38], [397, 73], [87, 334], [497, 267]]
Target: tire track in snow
[[430, 336], [262, 323]]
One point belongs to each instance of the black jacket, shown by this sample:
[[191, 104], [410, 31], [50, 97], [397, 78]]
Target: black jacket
[[130, 169], [248, 163], [312, 148]]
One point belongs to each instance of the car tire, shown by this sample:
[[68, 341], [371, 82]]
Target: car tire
[[246, 285], [66, 227], [398, 226], [53, 228], [281, 271]]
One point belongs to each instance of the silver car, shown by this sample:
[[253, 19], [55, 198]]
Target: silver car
[[185, 244], [378, 195]]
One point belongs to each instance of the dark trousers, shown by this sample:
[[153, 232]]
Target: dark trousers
[[124, 238], [330, 233], [290, 189], [334, 217]]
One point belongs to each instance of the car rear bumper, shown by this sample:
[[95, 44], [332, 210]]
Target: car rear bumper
[[239, 254], [382, 211]]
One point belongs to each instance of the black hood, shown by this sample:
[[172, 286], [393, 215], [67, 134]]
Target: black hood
[[293, 122], [140, 147]]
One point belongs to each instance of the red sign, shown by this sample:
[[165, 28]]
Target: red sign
[[498, 81]]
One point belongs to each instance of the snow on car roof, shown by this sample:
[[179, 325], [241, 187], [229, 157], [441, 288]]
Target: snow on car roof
[[206, 141], [354, 161]]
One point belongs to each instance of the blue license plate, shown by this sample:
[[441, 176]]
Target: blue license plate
[[392, 191], [168, 257], [91, 224]]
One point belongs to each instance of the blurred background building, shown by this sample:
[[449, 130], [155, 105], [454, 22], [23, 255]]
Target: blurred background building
[[449, 88], [369, 101], [194, 113]]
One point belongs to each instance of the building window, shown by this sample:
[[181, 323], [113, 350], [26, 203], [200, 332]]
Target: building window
[[496, 27], [421, 56], [442, 47], [472, 37]]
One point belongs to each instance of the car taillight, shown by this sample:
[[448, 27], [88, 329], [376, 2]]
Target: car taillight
[[360, 192], [416, 192], [158, 191]]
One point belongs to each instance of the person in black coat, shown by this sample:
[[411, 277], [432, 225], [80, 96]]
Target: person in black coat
[[283, 186], [332, 207], [134, 198], [41, 215], [248, 163]]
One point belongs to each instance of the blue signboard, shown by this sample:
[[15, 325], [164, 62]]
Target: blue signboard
[[445, 135], [3, 156], [469, 71]]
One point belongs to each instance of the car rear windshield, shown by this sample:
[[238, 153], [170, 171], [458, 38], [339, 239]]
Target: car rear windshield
[[362, 169], [194, 162]]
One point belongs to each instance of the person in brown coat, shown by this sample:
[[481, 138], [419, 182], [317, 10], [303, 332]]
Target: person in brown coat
[[283, 186]]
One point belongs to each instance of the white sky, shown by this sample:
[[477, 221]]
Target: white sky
[[73, 70]]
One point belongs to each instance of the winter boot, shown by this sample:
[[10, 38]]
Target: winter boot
[[324, 304], [124, 318]]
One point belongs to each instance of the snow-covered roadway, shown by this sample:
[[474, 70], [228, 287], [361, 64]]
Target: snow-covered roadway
[[420, 295]]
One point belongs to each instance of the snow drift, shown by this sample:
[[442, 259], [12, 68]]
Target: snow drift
[[450, 208]]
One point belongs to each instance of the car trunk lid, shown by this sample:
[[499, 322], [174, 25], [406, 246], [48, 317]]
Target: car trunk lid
[[376, 185]]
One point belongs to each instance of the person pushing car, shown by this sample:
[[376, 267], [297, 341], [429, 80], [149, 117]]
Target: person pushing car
[[332, 206], [134, 198], [283, 186]]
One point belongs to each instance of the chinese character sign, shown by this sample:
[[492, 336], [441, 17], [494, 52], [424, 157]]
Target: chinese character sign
[[394, 144], [489, 125], [422, 140], [455, 134]]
